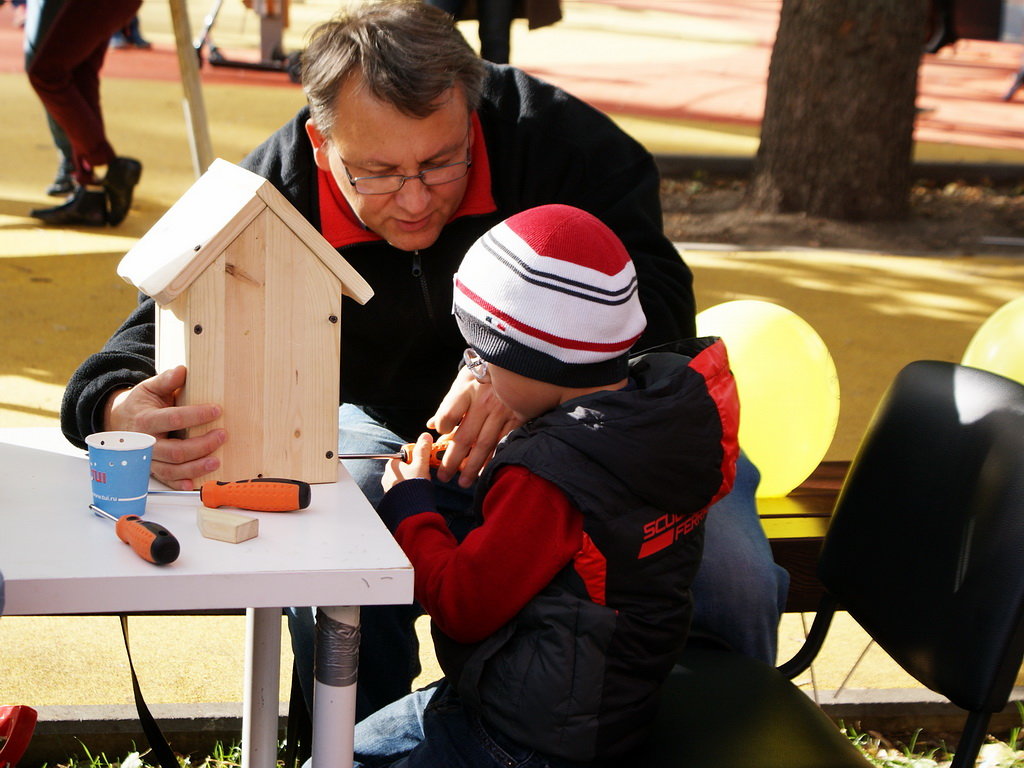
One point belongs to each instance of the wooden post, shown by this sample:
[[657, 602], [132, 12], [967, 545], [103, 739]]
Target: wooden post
[[193, 105]]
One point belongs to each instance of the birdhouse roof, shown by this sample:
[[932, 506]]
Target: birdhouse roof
[[206, 219]]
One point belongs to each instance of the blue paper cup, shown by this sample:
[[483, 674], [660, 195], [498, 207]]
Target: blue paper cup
[[119, 465]]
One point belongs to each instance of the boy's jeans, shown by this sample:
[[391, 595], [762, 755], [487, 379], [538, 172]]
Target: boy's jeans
[[429, 728]]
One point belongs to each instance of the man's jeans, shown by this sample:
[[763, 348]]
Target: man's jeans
[[739, 591]]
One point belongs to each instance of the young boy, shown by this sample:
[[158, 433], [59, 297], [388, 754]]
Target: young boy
[[557, 618]]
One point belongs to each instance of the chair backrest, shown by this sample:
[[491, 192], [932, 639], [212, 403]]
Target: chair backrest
[[926, 544]]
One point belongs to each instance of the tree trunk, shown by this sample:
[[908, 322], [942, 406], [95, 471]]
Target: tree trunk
[[837, 134]]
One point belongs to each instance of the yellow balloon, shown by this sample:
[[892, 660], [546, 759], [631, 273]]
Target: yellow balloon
[[787, 386], [998, 345]]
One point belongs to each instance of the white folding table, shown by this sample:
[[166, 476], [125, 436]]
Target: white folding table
[[58, 558]]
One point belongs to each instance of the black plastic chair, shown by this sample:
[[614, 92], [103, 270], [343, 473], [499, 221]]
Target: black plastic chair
[[925, 550]]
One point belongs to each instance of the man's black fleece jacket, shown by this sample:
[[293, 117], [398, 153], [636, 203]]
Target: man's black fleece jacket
[[401, 350]]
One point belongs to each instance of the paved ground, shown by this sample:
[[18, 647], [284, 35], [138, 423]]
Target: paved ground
[[686, 77]]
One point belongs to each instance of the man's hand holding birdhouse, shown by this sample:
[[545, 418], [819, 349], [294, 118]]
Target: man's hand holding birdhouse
[[149, 407]]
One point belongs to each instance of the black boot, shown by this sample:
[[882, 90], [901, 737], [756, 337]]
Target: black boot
[[123, 173], [62, 184], [85, 208]]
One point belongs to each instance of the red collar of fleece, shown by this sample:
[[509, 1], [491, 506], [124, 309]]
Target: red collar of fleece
[[340, 226]]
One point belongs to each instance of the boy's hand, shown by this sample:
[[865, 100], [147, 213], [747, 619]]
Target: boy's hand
[[482, 421], [397, 470]]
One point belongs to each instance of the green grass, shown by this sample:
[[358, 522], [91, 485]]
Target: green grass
[[916, 752], [920, 752], [222, 757]]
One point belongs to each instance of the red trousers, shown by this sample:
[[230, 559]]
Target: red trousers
[[65, 73]]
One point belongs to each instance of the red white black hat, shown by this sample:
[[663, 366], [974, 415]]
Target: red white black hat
[[551, 294]]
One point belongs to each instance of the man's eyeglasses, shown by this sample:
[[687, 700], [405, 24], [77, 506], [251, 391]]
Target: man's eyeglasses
[[477, 365], [392, 182]]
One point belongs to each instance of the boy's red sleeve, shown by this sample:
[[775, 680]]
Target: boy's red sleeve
[[470, 589]]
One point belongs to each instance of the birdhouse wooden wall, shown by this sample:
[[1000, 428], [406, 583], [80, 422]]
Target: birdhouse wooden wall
[[256, 318]]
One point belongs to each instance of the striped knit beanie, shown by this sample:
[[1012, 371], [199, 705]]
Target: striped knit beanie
[[551, 294]]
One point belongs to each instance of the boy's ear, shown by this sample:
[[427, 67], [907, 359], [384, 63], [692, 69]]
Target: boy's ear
[[320, 146]]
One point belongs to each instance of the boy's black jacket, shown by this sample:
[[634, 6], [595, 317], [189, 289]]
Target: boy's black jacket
[[576, 674]]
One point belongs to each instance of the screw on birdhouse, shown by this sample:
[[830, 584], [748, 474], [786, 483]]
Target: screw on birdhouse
[[197, 329], [330, 454], [333, 318], [196, 248]]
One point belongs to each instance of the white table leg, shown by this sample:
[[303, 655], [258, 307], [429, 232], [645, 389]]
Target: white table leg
[[261, 703], [334, 692]]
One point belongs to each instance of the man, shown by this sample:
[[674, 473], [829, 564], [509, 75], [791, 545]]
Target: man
[[411, 148]]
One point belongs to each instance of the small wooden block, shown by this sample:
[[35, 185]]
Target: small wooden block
[[226, 526]]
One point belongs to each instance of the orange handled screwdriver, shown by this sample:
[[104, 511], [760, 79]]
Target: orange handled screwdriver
[[150, 541], [404, 453], [262, 494]]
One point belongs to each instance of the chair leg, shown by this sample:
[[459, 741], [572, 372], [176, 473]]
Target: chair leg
[[1018, 82], [971, 739], [815, 638]]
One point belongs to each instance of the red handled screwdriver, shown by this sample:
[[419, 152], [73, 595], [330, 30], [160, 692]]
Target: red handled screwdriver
[[150, 541], [404, 453], [262, 494]]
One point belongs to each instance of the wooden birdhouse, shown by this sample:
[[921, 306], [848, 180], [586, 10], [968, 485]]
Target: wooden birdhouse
[[248, 297]]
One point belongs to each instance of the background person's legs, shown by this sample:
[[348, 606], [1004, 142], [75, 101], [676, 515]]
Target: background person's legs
[[451, 7], [64, 68], [62, 182], [38, 18], [495, 30], [64, 72]]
